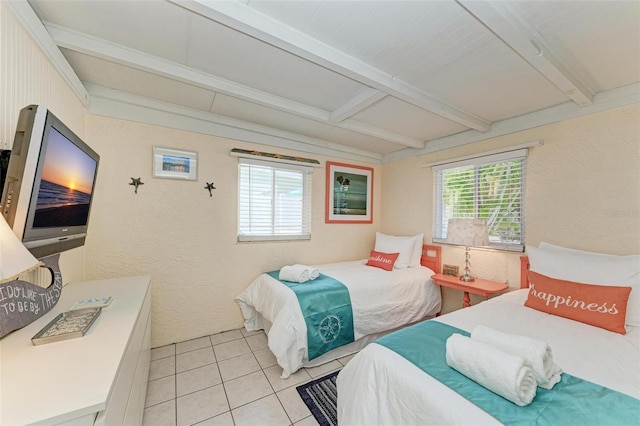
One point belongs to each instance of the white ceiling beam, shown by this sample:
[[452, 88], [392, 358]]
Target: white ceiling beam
[[530, 45], [92, 46], [99, 48], [38, 32], [126, 106], [388, 135], [602, 101], [249, 21], [359, 103]]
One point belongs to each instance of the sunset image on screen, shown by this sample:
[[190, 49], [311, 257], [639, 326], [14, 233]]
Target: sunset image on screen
[[68, 166], [66, 184]]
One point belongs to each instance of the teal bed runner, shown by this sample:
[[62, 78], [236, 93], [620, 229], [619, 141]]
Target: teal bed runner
[[572, 401], [326, 308]]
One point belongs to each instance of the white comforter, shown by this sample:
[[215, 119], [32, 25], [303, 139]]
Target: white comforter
[[381, 300], [379, 387]]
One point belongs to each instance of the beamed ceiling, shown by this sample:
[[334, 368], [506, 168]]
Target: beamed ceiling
[[373, 81]]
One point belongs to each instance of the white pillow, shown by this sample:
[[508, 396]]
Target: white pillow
[[548, 246], [417, 251], [591, 268], [392, 244]]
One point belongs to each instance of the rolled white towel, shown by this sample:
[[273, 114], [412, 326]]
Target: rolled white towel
[[313, 272], [507, 375], [294, 273], [537, 352]]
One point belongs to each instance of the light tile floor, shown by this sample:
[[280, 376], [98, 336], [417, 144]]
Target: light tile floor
[[229, 378]]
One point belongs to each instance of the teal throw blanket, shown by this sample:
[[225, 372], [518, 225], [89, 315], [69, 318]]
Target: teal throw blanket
[[572, 401], [326, 308]]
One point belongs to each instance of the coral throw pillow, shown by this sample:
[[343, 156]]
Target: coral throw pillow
[[382, 260], [597, 305]]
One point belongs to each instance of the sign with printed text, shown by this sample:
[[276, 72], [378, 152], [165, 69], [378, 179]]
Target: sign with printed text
[[21, 302]]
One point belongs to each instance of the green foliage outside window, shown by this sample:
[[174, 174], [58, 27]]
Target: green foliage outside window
[[492, 192]]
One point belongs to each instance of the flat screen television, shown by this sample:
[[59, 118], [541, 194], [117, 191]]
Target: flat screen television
[[49, 184]]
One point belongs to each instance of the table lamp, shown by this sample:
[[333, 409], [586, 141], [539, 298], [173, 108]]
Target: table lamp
[[467, 233], [14, 257]]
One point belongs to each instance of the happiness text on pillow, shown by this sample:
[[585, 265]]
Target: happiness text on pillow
[[555, 300]]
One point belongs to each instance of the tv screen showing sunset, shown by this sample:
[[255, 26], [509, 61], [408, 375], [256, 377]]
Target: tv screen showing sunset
[[67, 182]]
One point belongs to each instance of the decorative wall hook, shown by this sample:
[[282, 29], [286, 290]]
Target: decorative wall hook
[[210, 187], [136, 182]]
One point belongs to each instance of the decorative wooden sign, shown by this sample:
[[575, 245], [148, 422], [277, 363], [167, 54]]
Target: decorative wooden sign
[[21, 302]]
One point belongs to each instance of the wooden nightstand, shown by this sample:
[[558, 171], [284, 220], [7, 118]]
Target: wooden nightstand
[[479, 286]]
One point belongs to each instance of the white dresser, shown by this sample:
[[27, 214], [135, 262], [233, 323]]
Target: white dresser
[[100, 378]]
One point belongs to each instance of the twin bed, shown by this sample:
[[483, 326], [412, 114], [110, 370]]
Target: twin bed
[[600, 362], [381, 301], [380, 387]]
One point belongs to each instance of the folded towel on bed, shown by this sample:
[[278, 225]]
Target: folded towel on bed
[[294, 273], [313, 272], [538, 353], [505, 374]]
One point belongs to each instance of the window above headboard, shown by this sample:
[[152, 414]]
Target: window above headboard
[[489, 187]]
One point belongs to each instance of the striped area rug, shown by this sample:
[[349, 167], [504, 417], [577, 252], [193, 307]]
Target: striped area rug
[[321, 396]]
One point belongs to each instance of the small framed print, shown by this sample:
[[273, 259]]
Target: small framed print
[[175, 164], [450, 270], [349, 196]]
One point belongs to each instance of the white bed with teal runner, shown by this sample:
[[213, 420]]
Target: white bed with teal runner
[[403, 393], [326, 307], [381, 301]]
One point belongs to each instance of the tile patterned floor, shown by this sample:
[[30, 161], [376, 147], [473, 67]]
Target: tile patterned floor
[[229, 378]]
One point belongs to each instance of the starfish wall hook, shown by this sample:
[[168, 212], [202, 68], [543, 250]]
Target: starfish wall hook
[[136, 182], [210, 187]]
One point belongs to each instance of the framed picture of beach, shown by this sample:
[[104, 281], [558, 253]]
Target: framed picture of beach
[[174, 164], [349, 196]]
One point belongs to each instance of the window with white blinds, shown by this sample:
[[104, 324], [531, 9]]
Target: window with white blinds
[[274, 201], [491, 188]]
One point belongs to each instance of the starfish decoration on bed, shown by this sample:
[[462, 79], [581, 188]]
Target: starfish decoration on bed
[[136, 182]]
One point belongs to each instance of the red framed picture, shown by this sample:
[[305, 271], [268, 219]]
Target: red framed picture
[[349, 194]]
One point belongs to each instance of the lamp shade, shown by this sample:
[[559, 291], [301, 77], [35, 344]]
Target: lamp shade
[[468, 232], [14, 257]]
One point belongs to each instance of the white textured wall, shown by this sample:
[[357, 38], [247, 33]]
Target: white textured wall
[[27, 77], [185, 239], [583, 191]]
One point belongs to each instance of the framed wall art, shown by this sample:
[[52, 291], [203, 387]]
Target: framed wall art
[[349, 195], [175, 164], [451, 270]]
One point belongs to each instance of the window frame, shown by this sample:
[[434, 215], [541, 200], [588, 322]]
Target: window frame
[[439, 233], [305, 212]]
